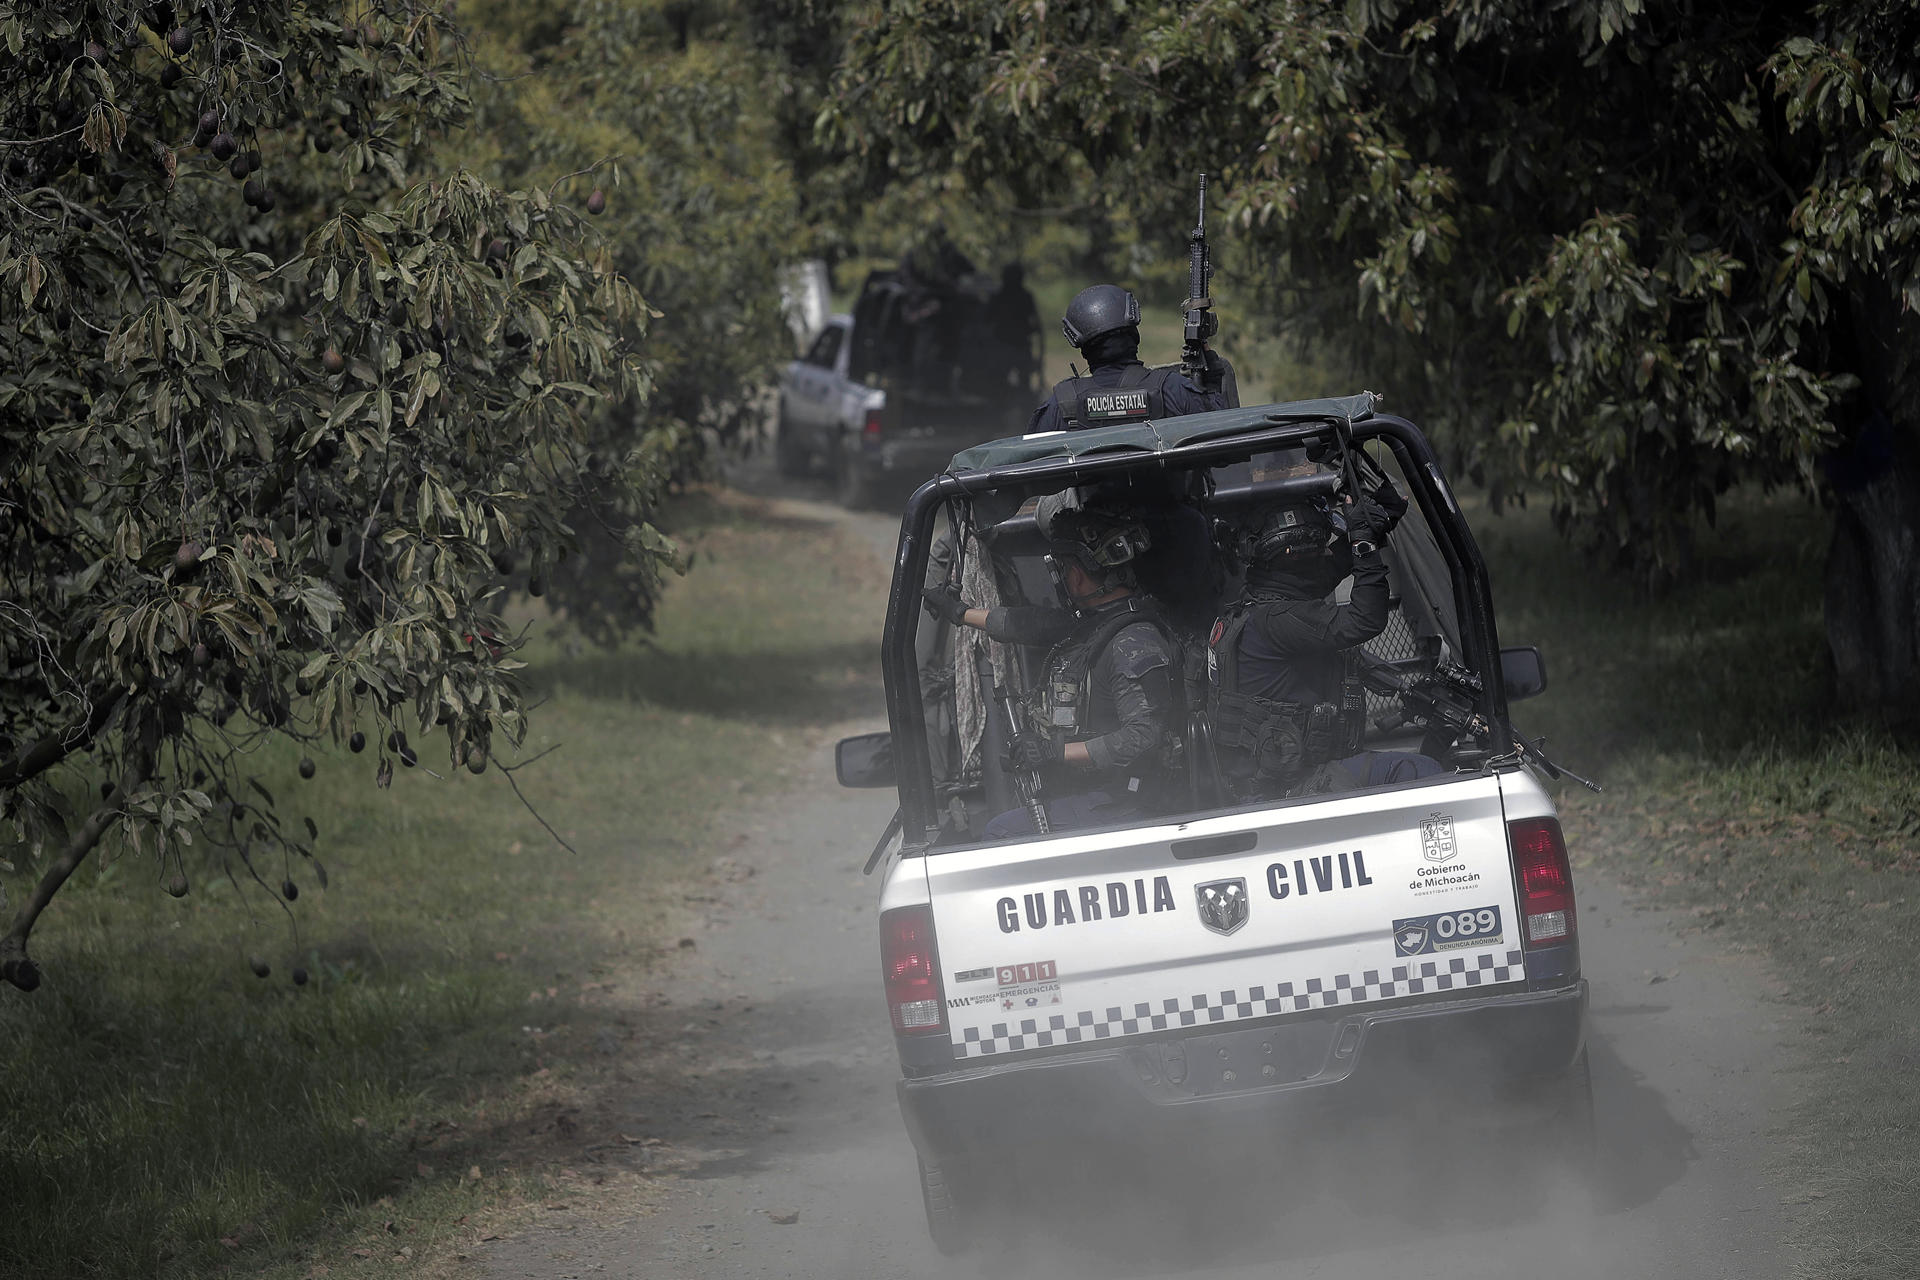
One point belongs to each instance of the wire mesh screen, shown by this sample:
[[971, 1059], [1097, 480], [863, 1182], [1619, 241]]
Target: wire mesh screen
[[1395, 643]]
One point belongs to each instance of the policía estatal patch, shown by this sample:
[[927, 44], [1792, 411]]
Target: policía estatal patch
[[1446, 931], [1117, 404]]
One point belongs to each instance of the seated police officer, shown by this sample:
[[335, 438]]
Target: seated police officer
[[1097, 726], [1104, 323], [1284, 694]]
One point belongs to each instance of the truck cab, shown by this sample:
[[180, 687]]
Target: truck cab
[[884, 395], [1216, 964]]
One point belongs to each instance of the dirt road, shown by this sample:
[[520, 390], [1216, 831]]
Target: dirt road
[[781, 1153]]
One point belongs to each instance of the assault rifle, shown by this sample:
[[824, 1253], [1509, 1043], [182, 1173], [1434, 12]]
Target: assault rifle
[[1026, 782], [997, 738], [1202, 324], [1448, 696]]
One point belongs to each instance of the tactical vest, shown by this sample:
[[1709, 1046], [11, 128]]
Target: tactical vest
[[1139, 395], [1269, 749], [1059, 706]]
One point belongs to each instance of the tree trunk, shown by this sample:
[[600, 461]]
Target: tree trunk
[[1873, 573], [16, 966], [1873, 586]]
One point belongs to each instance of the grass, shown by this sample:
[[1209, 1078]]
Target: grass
[[168, 1114], [1735, 795]]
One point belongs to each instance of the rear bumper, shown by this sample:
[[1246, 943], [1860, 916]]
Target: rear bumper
[[1456, 1051]]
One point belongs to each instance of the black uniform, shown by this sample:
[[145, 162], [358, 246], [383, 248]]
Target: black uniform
[[1282, 698], [1014, 321], [1108, 683], [1121, 391]]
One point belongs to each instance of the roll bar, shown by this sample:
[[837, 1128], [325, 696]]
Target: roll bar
[[1418, 463]]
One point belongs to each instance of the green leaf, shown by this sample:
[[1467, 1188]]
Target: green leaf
[[345, 408]]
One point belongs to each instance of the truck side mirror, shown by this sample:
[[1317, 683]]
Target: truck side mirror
[[865, 760], [1523, 672]]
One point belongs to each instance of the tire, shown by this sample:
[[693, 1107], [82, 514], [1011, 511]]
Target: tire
[[1563, 1130], [853, 480], [946, 1225], [789, 455], [1575, 1144]]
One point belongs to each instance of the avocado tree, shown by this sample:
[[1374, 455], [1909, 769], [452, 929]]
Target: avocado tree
[[656, 118], [284, 406], [1622, 255]]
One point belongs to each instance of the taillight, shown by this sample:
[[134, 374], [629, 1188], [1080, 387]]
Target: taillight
[[870, 429], [1546, 882], [911, 966]]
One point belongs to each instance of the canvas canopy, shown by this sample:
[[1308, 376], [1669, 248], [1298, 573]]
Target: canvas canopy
[[1160, 435]]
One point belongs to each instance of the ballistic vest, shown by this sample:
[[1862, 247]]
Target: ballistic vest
[[1059, 708], [1138, 396], [1268, 749]]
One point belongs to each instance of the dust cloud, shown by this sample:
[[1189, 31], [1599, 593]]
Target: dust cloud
[[790, 1106], [1411, 1181]]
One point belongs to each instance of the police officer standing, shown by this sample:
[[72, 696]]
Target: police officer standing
[[1284, 694], [1099, 721], [1104, 323], [1014, 322]]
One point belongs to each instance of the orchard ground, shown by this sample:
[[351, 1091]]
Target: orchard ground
[[486, 1047], [471, 981]]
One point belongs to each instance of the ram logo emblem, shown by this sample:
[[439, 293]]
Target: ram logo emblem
[[1223, 904]]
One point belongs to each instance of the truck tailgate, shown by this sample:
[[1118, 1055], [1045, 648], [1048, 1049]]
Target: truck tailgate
[[1349, 900]]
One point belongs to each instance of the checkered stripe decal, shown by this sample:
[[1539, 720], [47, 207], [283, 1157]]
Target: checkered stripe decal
[[1416, 977]]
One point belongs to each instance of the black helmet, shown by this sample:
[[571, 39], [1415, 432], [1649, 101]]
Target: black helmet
[[1100, 309], [1295, 531], [1103, 542], [1298, 552]]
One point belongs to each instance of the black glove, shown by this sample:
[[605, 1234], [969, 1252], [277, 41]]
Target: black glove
[[1373, 515], [1366, 521], [1216, 373], [1031, 751], [1391, 504], [944, 603]]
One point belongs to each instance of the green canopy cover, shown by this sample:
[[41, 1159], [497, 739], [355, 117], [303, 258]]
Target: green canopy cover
[[1158, 436]]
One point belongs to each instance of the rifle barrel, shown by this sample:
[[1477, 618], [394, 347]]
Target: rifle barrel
[[1197, 258]]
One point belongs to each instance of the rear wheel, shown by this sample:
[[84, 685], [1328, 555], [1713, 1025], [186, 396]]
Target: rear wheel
[[1574, 1146], [1561, 1124], [789, 455], [944, 1220]]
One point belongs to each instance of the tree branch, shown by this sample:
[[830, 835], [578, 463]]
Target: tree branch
[[55, 747], [15, 965], [558, 838]]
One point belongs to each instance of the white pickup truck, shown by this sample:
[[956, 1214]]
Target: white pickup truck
[[882, 397], [1218, 962]]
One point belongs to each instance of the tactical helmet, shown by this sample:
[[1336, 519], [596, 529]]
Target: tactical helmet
[[1099, 309], [1104, 542], [1296, 530]]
